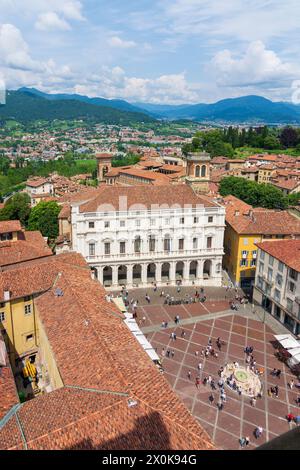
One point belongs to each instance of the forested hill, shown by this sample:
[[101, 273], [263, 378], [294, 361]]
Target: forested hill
[[25, 107]]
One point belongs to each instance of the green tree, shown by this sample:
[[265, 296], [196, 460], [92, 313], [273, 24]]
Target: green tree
[[17, 208], [44, 217], [271, 142]]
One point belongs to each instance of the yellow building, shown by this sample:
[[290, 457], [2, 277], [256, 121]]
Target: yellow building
[[265, 173], [246, 226]]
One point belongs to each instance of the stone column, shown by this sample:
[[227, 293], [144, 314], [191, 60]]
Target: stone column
[[158, 273], [200, 266], [186, 273], [100, 274], [129, 275], [144, 274], [115, 276], [173, 273]]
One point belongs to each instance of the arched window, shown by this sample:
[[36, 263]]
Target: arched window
[[197, 171], [203, 171]]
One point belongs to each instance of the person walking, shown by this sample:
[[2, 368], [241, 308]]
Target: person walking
[[291, 384], [211, 398], [199, 366], [253, 401], [172, 353], [168, 353], [189, 375]]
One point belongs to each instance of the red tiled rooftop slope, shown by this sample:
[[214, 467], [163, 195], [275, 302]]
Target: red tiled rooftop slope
[[97, 354], [36, 276], [7, 226], [31, 246], [251, 220], [139, 195], [287, 251]]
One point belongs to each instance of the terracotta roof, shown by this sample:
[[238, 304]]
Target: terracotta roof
[[137, 196], [286, 251], [219, 160], [113, 396], [10, 226], [65, 212], [150, 163], [261, 221], [266, 158], [289, 184], [8, 392], [173, 168], [156, 178], [31, 245], [34, 183], [84, 194], [36, 276]]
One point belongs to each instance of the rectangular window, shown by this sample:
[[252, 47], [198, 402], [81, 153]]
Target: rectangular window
[[292, 287], [261, 267], [181, 220], [152, 243], [262, 255], [289, 304], [293, 274], [107, 248], [270, 274], [122, 248], [167, 244], [29, 337], [137, 245], [253, 262], [245, 241], [210, 219], [280, 266], [254, 254], [91, 224], [195, 243], [244, 262], [92, 249], [245, 254], [181, 244], [2, 316], [209, 242], [122, 223], [138, 223], [106, 224], [167, 221], [260, 282], [152, 222], [2, 304], [196, 220], [277, 295], [27, 309], [279, 280], [271, 260]]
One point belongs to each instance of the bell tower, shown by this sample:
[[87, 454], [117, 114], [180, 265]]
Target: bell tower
[[198, 171], [103, 165]]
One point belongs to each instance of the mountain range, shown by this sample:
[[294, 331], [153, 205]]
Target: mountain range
[[246, 109], [28, 104]]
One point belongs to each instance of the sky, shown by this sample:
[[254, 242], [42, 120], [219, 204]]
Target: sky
[[155, 51]]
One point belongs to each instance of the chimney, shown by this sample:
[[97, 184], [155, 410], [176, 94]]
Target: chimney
[[6, 295], [250, 213], [236, 213]]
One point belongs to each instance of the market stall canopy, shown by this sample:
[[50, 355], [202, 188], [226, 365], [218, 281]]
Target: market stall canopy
[[287, 341], [295, 359]]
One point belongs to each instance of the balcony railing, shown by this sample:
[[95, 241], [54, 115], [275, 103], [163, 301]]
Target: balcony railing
[[156, 254]]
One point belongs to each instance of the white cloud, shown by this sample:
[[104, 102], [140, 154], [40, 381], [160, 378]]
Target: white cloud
[[50, 21], [258, 66], [114, 83], [116, 41], [14, 52]]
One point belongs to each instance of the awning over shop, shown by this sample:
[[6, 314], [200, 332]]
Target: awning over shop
[[287, 341]]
